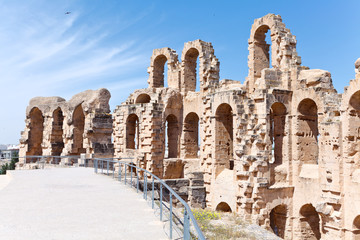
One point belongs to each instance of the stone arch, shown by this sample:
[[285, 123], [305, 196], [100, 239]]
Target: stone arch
[[262, 54], [277, 130], [208, 66], [132, 132], [223, 207], [356, 222], [353, 128], [278, 218], [191, 135], [309, 222], [57, 141], [35, 133], [190, 65], [143, 98], [307, 131], [78, 131], [356, 227], [172, 135], [224, 136], [277, 134], [157, 65], [283, 47], [354, 101]]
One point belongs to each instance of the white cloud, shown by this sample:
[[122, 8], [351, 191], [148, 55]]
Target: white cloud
[[46, 53]]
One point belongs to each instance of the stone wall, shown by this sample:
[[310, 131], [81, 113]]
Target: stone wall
[[56, 127], [280, 149]]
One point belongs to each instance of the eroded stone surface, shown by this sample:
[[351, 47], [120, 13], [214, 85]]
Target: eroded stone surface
[[57, 127], [282, 149]]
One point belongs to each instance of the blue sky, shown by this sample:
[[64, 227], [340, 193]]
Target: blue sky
[[44, 52]]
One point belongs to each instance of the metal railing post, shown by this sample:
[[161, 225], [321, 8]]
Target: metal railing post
[[160, 202], [125, 174], [96, 165], [107, 167], [152, 193], [145, 182], [131, 172], [113, 168], [137, 180], [170, 218], [119, 176], [186, 225], [102, 166]]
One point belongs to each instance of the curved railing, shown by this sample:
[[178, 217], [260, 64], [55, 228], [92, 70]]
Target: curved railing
[[182, 223]]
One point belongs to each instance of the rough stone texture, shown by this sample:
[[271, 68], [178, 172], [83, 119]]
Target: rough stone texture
[[282, 149], [57, 127]]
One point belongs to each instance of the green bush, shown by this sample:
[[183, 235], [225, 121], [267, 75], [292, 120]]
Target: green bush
[[10, 166]]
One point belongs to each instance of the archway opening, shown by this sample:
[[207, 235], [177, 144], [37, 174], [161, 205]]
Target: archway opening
[[143, 98], [309, 222], [191, 67], [132, 132], [57, 142], [36, 133], [356, 227], [355, 101], [353, 134], [278, 217], [223, 207], [171, 138], [224, 136], [307, 131], [78, 132], [261, 51], [277, 131], [159, 70], [191, 135]]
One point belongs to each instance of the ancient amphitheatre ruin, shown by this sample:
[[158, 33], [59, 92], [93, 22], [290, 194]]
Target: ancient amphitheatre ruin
[[281, 149]]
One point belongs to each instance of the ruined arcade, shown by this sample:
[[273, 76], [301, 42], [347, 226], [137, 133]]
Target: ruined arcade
[[281, 149]]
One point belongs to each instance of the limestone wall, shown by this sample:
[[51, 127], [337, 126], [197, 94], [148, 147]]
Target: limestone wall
[[282, 149], [57, 127]]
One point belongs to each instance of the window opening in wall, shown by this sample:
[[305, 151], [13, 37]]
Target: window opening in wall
[[143, 98], [165, 75], [307, 132], [191, 70], [57, 143], [278, 217], [197, 89], [356, 227], [310, 222], [191, 135], [261, 50], [277, 131], [78, 131], [268, 41], [159, 65], [171, 137], [223, 207], [35, 133], [132, 132], [224, 136]]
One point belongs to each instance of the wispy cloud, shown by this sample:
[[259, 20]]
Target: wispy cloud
[[50, 53]]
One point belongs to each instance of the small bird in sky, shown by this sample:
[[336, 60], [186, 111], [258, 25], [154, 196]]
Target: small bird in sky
[[67, 12]]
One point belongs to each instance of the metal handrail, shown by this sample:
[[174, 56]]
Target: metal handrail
[[99, 162]]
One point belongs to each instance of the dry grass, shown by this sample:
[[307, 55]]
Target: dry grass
[[216, 225]]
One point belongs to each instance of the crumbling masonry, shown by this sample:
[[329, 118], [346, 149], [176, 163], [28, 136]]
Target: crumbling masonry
[[56, 127], [282, 149]]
